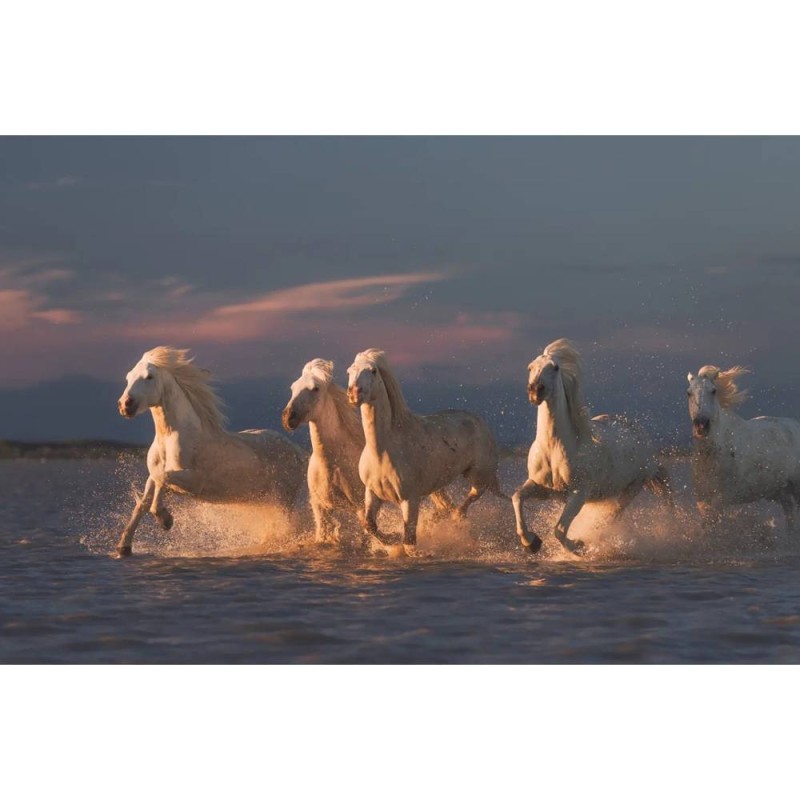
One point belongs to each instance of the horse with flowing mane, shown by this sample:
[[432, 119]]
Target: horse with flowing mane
[[406, 456], [736, 460], [578, 458], [337, 441], [192, 453]]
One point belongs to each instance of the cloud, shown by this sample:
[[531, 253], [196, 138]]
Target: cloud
[[62, 182], [20, 308], [23, 297], [273, 314], [332, 295]]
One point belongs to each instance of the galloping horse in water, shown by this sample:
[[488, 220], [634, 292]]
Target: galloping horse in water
[[736, 460], [407, 457], [575, 457], [192, 453], [337, 441]]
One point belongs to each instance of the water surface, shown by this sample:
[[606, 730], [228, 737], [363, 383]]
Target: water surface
[[238, 585]]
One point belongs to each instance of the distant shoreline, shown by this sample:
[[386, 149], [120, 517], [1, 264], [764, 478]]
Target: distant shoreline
[[79, 448]]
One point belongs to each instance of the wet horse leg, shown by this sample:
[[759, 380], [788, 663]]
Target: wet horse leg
[[572, 508], [410, 510], [124, 548], [528, 489], [158, 510]]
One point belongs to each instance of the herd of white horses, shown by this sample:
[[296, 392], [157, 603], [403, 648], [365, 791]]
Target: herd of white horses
[[370, 448]]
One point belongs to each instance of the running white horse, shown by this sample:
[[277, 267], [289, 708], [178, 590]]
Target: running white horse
[[736, 460], [337, 441], [192, 453], [580, 459], [407, 457]]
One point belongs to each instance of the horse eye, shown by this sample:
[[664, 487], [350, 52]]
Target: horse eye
[[374, 371], [148, 377], [556, 367], [315, 389], [689, 392], [713, 391]]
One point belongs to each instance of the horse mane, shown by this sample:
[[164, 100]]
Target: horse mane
[[321, 371], [400, 410], [729, 394], [565, 354], [194, 382]]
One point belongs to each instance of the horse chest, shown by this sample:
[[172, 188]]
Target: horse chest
[[549, 469]]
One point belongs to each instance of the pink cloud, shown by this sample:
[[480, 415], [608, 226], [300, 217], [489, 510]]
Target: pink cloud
[[260, 335], [332, 295]]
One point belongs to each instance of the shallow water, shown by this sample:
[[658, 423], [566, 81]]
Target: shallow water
[[246, 585]]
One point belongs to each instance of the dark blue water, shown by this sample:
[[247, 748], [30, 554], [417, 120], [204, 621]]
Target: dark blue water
[[242, 585]]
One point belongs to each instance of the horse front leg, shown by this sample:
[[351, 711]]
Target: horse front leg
[[124, 548], [572, 507], [528, 489], [158, 510], [325, 528], [372, 505], [410, 511]]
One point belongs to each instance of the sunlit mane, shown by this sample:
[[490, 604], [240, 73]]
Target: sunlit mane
[[729, 394], [321, 371], [565, 354], [377, 358], [193, 380]]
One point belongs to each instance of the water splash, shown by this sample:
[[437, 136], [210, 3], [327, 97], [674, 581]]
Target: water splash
[[649, 531]]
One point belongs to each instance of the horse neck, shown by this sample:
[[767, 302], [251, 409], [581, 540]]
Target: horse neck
[[554, 424], [376, 418], [328, 431], [175, 414]]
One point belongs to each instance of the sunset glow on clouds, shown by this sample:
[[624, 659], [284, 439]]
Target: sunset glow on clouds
[[348, 314]]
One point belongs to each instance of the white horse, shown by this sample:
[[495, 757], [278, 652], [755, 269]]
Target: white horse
[[578, 458], [407, 457], [337, 441], [736, 460], [192, 453]]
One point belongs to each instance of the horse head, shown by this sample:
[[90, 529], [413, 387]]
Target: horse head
[[143, 389], [308, 392]]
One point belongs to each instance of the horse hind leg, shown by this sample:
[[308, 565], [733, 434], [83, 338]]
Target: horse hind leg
[[661, 485], [158, 510], [479, 482], [444, 505], [628, 495], [472, 495], [789, 502]]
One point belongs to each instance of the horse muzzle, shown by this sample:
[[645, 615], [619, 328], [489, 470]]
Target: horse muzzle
[[289, 419], [700, 427], [127, 407], [355, 396], [536, 394]]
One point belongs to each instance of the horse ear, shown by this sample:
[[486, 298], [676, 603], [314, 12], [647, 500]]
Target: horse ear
[[690, 377]]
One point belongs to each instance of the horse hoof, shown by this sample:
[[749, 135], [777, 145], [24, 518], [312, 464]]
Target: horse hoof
[[124, 550], [575, 546], [410, 550], [535, 544]]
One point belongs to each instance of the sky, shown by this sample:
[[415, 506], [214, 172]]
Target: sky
[[461, 257]]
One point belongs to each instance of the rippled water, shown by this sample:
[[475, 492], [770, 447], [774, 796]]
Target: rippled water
[[246, 585]]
